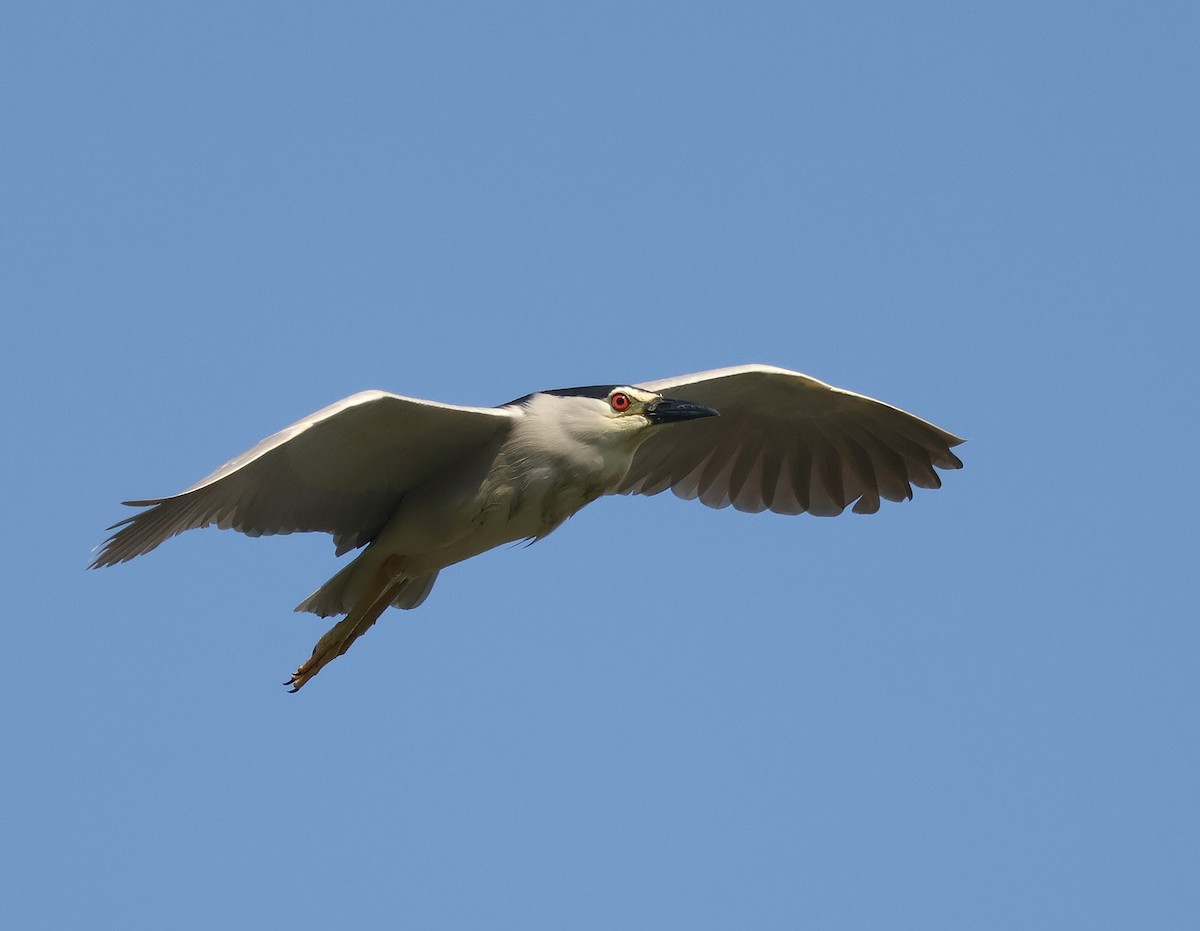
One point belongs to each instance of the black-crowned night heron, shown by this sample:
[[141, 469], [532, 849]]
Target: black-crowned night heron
[[424, 485]]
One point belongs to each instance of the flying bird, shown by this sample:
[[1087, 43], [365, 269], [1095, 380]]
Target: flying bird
[[420, 485]]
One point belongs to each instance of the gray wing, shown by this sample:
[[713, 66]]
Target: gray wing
[[788, 443], [341, 470]]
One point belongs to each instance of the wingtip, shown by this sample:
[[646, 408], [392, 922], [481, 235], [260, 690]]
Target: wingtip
[[105, 557]]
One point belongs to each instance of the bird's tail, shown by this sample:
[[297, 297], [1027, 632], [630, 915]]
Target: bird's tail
[[339, 594], [331, 598]]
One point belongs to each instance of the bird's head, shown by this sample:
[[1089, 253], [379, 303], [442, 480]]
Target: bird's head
[[613, 413], [647, 409]]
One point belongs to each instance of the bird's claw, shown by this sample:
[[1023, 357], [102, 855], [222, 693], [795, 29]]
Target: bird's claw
[[298, 678]]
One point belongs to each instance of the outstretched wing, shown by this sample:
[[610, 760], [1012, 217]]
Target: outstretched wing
[[341, 470], [788, 443]]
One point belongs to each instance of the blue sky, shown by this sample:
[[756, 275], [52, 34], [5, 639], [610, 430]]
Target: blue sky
[[977, 709]]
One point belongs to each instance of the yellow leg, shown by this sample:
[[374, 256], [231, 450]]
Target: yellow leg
[[374, 601]]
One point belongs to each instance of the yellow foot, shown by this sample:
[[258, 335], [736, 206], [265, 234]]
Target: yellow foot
[[337, 640]]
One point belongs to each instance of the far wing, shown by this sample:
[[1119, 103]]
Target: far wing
[[788, 443], [341, 470]]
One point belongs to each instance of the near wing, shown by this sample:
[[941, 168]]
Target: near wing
[[789, 443], [341, 470]]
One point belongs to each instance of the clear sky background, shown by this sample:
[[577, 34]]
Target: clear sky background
[[977, 709]]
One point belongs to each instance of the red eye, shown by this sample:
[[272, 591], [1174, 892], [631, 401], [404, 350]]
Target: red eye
[[620, 402]]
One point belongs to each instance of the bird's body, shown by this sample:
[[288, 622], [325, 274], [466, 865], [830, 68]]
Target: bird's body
[[516, 490], [424, 485]]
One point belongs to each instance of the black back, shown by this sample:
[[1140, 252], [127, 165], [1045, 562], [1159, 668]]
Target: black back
[[588, 391]]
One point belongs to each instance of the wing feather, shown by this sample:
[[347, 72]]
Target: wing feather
[[342, 470], [788, 443]]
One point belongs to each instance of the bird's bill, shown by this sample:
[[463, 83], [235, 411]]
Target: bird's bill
[[669, 410]]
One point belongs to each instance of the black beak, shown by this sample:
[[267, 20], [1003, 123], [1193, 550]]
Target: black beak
[[668, 410]]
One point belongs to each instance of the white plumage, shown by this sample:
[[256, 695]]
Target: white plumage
[[423, 485]]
